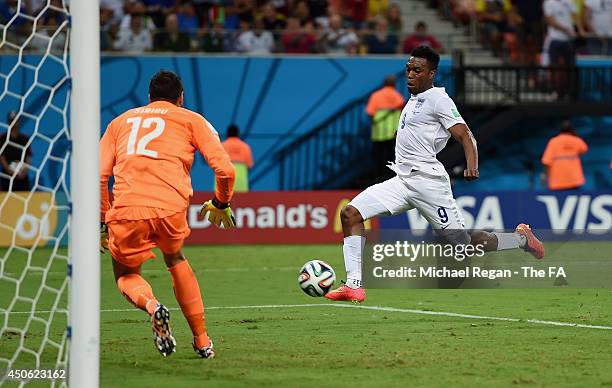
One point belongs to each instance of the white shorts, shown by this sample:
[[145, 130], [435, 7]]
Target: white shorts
[[430, 195]]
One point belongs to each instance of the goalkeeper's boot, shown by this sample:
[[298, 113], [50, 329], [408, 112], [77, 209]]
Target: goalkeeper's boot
[[205, 351], [346, 293], [162, 333], [533, 245]]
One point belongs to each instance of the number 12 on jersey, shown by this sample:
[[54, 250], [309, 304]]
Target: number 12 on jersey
[[137, 123]]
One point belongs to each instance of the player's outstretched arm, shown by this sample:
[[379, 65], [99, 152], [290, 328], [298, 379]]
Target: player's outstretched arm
[[462, 134], [207, 141]]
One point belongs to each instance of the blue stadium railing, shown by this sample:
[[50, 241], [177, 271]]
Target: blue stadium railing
[[333, 153]]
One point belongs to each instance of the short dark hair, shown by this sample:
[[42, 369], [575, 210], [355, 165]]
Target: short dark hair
[[420, 24], [165, 85], [426, 52], [390, 80], [233, 131]]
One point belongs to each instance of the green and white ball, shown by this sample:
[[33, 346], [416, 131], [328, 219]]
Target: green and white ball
[[316, 278]]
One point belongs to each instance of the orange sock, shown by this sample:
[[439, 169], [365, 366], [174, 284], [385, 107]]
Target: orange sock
[[137, 291], [187, 292]]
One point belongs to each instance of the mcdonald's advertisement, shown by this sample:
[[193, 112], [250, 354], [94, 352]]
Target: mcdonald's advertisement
[[294, 217]]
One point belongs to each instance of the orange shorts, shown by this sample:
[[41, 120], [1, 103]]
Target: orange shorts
[[131, 241]]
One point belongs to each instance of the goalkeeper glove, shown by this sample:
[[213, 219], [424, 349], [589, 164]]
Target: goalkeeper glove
[[218, 213], [103, 237]]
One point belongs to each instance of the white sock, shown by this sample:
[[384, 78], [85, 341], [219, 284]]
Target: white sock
[[510, 240], [353, 250]]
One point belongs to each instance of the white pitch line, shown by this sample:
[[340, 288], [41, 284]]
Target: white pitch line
[[471, 316], [373, 308]]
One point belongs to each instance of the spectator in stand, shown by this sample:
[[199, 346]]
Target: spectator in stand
[[560, 16], [298, 40], [356, 12], [135, 38], [18, 28], [493, 17], [384, 107], [394, 18], [159, 9], [241, 156], [337, 40], [11, 163], [381, 42], [105, 39], [256, 40], [462, 11], [137, 8], [170, 38], [527, 17], [323, 21], [561, 160], [273, 21], [216, 40], [187, 19], [598, 20], [302, 13], [377, 8], [115, 8], [420, 37], [48, 36]]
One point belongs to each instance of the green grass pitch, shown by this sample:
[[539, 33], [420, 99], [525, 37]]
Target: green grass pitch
[[305, 346]]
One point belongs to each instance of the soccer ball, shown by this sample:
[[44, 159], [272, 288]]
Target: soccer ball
[[316, 278]]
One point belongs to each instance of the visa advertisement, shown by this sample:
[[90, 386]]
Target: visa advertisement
[[570, 211]]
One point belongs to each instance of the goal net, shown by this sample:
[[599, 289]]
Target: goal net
[[35, 201]]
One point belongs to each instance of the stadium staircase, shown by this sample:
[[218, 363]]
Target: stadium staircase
[[452, 37]]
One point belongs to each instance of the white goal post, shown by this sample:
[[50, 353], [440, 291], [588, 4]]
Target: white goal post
[[84, 313]]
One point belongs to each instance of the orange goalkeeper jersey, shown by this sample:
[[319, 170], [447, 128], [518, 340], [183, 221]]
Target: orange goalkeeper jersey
[[149, 150]]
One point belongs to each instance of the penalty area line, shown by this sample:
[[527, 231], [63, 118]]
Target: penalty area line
[[362, 307]]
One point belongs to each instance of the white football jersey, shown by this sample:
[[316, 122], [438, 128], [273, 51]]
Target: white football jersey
[[562, 11], [422, 132]]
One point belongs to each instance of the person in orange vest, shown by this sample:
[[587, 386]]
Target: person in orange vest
[[561, 159], [241, 157], [384, 107]]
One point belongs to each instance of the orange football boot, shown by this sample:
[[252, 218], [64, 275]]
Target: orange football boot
[[533, 245], [346, 293]]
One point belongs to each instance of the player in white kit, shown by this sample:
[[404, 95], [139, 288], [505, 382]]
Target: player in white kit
[[428, 120]]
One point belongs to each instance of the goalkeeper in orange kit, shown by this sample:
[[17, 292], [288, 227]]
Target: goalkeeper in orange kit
[[149, 150]]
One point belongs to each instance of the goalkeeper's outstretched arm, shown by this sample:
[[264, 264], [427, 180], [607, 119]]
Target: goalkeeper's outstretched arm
[[207, 141]]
